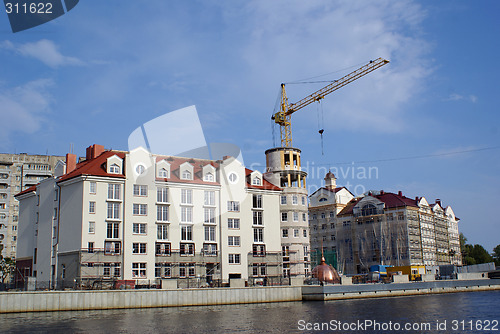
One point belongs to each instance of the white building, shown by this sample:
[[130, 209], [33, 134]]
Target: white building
[[136, 216]]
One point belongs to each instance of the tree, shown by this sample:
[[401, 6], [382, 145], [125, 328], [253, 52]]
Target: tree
[[480, 254], [7, 266], [496, 255]]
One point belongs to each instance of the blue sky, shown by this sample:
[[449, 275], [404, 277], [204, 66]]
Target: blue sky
[[106, 67]]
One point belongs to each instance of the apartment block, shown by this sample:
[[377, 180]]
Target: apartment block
[[136, 216], [18, 172]]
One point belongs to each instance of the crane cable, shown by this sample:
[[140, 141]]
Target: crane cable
[[321, 122]]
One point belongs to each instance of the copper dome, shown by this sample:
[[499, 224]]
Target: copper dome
[[325, 273]]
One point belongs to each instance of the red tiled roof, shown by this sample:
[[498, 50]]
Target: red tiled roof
[[28, 190], [391, 200], [266, 185], [198, 164], [94, 167]]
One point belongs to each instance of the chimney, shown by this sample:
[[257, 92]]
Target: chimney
[[417, 199], [400, 193], [382, 192], [70, 162], [438, 201], [226, 157], [94, 151]]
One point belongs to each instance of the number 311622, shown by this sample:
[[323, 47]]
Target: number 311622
[[33, 8]]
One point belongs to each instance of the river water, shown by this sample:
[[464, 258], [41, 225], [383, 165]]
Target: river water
[[470, 312]]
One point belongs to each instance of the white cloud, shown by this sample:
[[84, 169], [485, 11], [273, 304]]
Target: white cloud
[[45, 51], [459, 97], [24, 108]]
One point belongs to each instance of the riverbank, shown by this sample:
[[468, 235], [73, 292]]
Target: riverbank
[[43, 301]]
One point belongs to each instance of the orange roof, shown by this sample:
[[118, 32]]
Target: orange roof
[[266, 185], [28, 190], [95, 167]]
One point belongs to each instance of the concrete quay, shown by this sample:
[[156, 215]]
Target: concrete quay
[[378, 290]]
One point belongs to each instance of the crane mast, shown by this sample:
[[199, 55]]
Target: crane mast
[[284, 116]]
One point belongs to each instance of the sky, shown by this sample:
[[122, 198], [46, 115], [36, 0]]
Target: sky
[[426, 124]]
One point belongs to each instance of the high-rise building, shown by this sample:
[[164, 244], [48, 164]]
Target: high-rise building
[[284, 170], [136, 216], [18, 172]]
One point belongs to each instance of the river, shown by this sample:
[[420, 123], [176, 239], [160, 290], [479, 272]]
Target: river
[[469, 312]]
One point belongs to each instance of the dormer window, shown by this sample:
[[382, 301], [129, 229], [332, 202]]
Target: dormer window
[[186, 175], [209, 177], [256, 181], [114, 169], [163, 173]]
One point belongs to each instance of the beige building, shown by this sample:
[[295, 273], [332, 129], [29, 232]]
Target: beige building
[[18, 172], [391, 229], [136, 216]]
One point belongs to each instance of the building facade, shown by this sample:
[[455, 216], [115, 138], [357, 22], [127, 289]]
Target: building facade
[[136, 216], [283, 169], [17, 173], [391, 229]]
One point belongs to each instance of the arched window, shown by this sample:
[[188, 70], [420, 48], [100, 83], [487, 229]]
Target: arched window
[[114, 169], [186, 175], [322, 199], [163, 173], [368, 210], [140, 169]]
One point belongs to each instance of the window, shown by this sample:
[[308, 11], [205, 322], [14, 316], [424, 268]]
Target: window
[[114, 169], [258, 235], [91, 207], [140, 209], [162, 249], [186, 196], [284, 216], [162, 231], [209, 215], [322, 199], [107, 270], [54, 216], [114, 191], [186, 175], [256, 181], [113, 230], [209, 197], [304, 217], [163, 173], [140, 190], [368, 210], [295, 200], [304, 233], [182, 269], [209, 177], [209, 233], [233, 177], [233, 206], [257, 217], [93, 187], [210, 249], [295, 233], [113, 211], [233, 223], [187, 249], [234, 259], [162, 195], [116, 271], [259, 269], [157, 270], [259, 250], [112, 248], [139, 228], [162, 213], [140, 169], [257, 201], [303, 200], [91, 227], [186, 214], [90, 247], [139, 269], [284, 233], [233, 241], [323, 216], [332, 214], [295, 216], [139, 248], [283, 200], [187, 232]]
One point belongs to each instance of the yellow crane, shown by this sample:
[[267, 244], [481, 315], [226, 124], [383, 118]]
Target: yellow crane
[[284, 116]]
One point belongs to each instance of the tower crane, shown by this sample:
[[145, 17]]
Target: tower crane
[[284, 116]]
